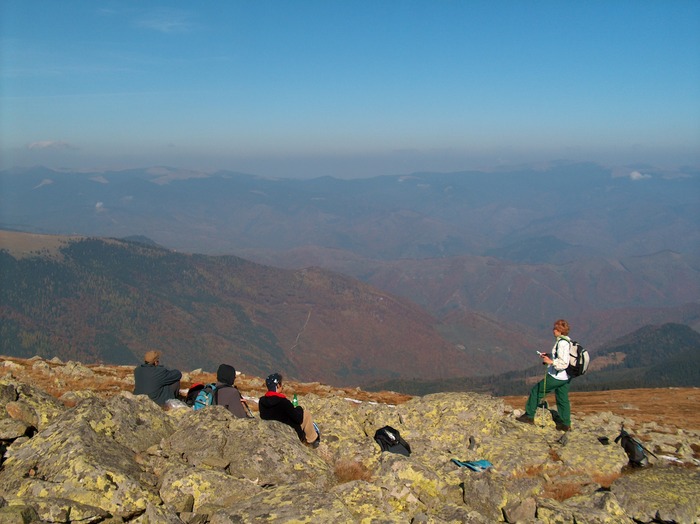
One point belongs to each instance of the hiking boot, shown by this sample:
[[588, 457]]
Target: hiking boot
[[562, 427], [525, 419], [316, 442]]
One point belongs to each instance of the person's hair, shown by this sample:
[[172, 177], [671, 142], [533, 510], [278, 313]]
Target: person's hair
[[562, 326], [273, 381]]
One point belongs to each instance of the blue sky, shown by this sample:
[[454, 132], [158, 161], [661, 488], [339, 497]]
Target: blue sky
[[352, 88]]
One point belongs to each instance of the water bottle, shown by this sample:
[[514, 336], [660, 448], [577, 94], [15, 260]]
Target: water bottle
[[295, 401]]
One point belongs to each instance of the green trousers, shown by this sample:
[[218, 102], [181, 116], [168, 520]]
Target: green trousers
[[560, 388]]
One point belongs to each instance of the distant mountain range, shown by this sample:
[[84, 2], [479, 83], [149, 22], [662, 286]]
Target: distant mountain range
[[534, 215], [489, 258], [652, 357]]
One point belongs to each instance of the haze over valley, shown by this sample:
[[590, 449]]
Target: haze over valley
[[465, 271]]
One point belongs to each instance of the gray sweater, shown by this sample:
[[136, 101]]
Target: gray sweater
[[158, 382], [230, 398]]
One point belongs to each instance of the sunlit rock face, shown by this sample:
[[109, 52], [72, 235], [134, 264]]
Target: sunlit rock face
[[121, 458]]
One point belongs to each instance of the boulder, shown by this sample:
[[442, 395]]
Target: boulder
[[660, 494], [303, 502], [70, 459], [19, 514], [267, 452], [189, 489], [32, 406], [135, 422], [11, 429], [61, 510]]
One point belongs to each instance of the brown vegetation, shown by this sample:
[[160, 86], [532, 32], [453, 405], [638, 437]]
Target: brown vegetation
[[349, 470], [668, 407]]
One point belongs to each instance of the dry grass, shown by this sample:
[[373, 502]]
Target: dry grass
[[606, 480], [349, 470], [674, 408], [561, 490]]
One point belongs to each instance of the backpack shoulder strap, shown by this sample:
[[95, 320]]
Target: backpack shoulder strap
[[559, 339]]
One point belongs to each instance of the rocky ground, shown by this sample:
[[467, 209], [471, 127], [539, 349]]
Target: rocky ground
[[77, 446]]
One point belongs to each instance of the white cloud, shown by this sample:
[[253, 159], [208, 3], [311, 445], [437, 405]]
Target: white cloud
[[99, 207], [45, 182], [50, 144], [636, 175]]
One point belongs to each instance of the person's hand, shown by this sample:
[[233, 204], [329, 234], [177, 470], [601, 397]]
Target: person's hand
[[546, 359]]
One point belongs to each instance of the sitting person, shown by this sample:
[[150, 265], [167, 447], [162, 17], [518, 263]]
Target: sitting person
[[227, 394], [156, 381], [274, 405]]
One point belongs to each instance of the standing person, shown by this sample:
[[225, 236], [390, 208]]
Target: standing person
[[556, 380], [156, 381], [274, 405], [227, 394]]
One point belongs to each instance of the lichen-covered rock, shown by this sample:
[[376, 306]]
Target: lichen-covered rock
[[133, 421], [268, 452], [126, 459], [206, 487], [485, 493], [367, 502], [411, 486], [75, 369], [20, 514], [520, 511], [598, 508], [11, 429], [70, 460], [33, 406], [73, 397], [157, 514], [347, 428], [8, 393], [288, 503], [62, 510], [667, 494]]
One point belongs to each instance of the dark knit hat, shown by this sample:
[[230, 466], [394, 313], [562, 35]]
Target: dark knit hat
[[272, 381], [226, 374]]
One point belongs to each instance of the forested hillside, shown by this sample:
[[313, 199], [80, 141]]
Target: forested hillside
[[106, 300]]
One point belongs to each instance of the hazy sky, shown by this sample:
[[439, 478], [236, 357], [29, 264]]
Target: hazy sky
[[351, 88]]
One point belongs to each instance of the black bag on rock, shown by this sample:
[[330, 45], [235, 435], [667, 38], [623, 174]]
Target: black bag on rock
[[389, 439]]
